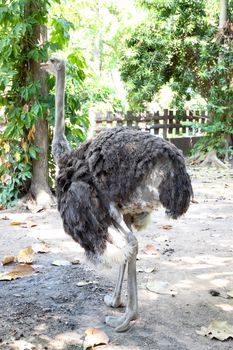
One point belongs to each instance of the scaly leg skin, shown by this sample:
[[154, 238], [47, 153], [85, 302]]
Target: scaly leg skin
[[122, 323], [114, 300]]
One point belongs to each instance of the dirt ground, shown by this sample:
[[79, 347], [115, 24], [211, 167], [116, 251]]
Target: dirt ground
[[52, 308]]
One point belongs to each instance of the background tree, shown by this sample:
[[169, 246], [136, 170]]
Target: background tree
[[222, 13], [26, 106], [180, 44], [101, 26], [39, 182], [27, 109], [177, 43]]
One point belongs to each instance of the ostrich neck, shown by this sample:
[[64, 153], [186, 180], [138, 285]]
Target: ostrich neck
[[59, 100]]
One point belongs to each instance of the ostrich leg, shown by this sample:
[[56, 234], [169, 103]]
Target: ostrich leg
[[122, 323], [114, 300]]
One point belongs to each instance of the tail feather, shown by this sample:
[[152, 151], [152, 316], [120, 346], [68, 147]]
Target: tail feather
[[175, 190]]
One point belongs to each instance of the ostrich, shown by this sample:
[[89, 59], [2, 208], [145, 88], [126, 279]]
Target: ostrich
[[110, 184]]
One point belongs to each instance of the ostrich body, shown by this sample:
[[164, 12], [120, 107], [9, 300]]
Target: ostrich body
[[110, 184]]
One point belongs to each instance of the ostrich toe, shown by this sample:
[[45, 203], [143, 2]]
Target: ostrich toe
[[121, 323], [113, 301]]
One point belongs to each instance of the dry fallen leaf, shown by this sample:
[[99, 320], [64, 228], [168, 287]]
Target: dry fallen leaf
[[166, 227], [161, 287], [82, 283], [150, 269], [16, 223], [29, 224], [25, 256], [4, 217], [150, 249], [40, 248], [75, 262], [220, 330], [8, 260], [140, 269], [18, 272], [37, 209], [85, 283], [230, 293], [94, 337], [194, 201], [147, 270], [61, 263]]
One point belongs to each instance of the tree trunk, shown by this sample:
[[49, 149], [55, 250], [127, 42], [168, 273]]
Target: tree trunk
[[222, 20], [97, 43], [211, 158], [39, 185], [222, 13]]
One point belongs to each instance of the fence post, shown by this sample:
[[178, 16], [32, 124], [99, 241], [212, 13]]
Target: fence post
[[98, 121], [109, 117], [129, 118], [165, 123]]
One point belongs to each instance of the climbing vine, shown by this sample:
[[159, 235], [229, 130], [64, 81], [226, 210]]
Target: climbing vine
[[21, 101]]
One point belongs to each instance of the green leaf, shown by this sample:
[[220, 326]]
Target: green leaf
[[60, 33], [33, 152]]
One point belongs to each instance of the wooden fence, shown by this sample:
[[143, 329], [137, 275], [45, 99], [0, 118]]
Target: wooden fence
[[164, 123]]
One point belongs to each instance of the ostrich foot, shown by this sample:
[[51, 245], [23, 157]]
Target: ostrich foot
[[113, 301], [122, 323]]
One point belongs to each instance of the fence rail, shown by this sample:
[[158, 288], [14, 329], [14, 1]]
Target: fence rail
[[164, 123]]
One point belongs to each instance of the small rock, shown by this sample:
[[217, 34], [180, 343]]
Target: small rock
[[214, 293]]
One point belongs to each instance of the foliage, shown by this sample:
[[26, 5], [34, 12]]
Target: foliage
[[20, 101], [99, 96], [96, 27], [160, 47], [100, 28], [180, 45], [214, 137]]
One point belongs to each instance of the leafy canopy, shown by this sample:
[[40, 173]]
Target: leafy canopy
[[21, 103], [179, 44]]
